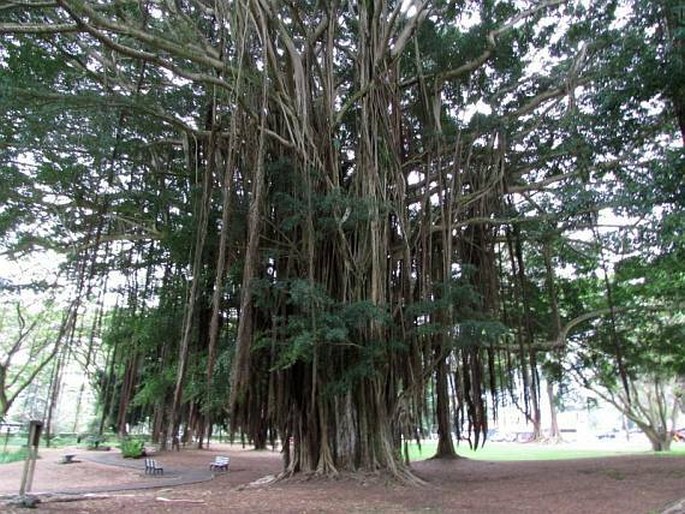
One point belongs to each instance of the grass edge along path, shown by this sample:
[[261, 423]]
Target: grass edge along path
[[530, 451]]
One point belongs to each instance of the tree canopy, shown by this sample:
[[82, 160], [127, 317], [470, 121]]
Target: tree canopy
[[335, 223]]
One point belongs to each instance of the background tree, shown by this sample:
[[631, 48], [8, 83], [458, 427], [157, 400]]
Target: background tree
[[30, 340], [651, 336]]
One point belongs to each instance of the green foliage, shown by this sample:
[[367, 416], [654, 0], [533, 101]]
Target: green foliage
[[475, 333], [380, 183], [216, 402], [132, 448], [94, 441], [155, 386], [13, 455]]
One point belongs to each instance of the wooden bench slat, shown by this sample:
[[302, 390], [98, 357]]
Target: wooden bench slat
[[151, 467]]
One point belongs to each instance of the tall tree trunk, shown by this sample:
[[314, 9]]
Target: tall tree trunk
[[126, 394], [94, 332], [445, 443], [550, 280], [554, 432], [108, 389], [241, 377], [202, 214], [53, 396], [528, 352]]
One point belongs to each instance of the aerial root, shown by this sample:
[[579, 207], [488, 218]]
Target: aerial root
[[178, 500], [265, 481]]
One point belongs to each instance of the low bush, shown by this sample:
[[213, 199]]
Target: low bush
[[93, 441], [132, 448]]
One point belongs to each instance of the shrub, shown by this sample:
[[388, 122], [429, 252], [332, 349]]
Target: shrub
[[132, 448], [93, 441]]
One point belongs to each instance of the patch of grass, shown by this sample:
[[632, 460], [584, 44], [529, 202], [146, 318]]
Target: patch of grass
[[609, 472], [13, 455], [676, 451], [528, 451], [614, 473], [13, 440], [56, 440]]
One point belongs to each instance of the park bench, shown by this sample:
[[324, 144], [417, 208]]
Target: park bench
[[220, 463], [68, 458], [152, 468]]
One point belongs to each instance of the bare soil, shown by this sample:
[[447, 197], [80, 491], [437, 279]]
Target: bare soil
[[627, 484]]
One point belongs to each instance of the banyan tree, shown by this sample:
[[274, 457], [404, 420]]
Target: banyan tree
[[316, 205]]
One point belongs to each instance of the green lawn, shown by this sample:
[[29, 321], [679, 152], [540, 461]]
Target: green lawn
[[529, 451], [12, 455]]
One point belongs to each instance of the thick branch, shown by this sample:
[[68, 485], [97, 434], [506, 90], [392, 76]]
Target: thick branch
[[38, 28], [98, 22]]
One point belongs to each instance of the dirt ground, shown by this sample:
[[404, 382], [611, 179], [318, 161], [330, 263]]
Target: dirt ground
[[629, 484]]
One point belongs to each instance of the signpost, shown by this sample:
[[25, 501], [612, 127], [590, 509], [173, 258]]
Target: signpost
[[35, 429]]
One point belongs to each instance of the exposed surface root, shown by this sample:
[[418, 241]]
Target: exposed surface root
[[403, 477], [265, 481], [33, 500], [447, 457]]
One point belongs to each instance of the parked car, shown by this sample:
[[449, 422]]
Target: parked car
[[607, 435], [497, 436]]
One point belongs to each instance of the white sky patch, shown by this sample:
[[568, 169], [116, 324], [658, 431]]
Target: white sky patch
[[622, 17], [175, 79], [414, 178], [470, 110], [469, 20], [39, 266], [189, 121], [155, 12], [654, 106], [408, 8], [27, 162], [4, 54]]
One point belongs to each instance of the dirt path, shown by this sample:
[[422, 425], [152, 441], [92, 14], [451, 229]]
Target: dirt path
[[631, 484]]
